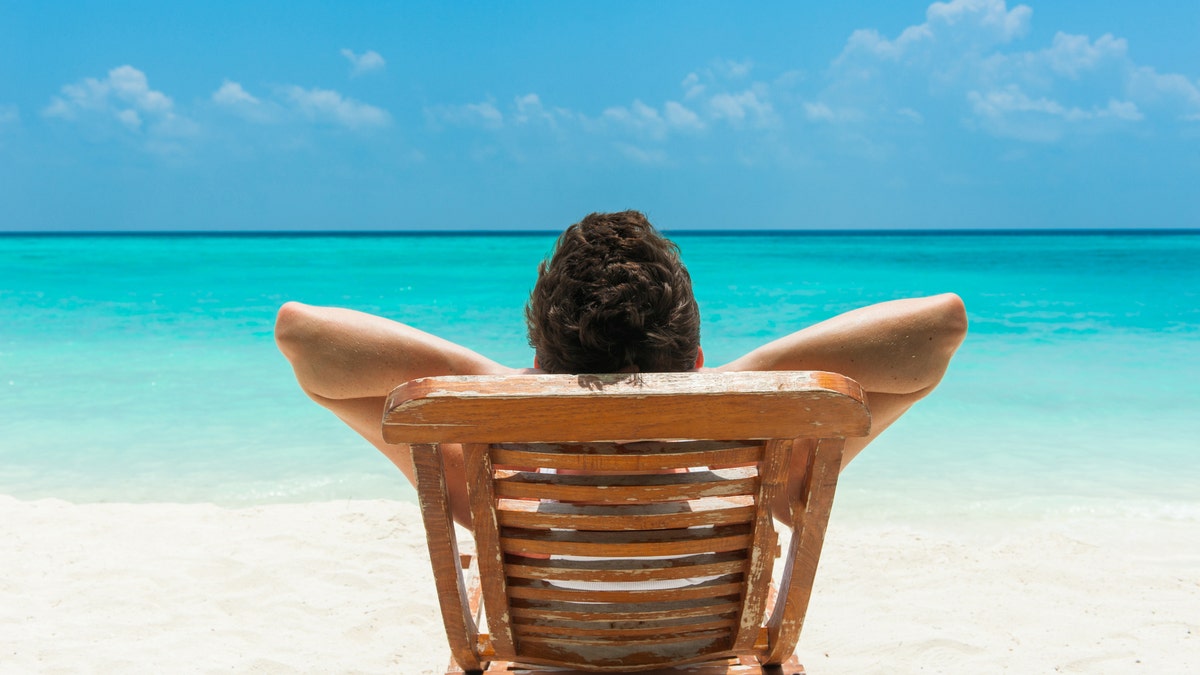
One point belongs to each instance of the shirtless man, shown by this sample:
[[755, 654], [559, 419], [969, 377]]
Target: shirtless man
[[614, 297]]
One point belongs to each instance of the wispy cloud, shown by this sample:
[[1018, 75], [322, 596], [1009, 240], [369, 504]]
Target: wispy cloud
[[123, 96], [750, 106], [326, 105], [638, 118], [484, 114], [1011, 112], [293, 102], [232, 94], [364, 63], [965, 49]]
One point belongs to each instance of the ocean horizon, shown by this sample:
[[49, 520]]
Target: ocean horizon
[[140, 367]]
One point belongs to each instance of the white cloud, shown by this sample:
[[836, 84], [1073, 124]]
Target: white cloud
[[124, 96], [326, 105], [963, 50], [748, 105], [734, 70], [680, 116], [365, 62], [990, 17], [232, 97], [484, 114], [1169, 89], [130, 119], [124, 89], [1013, 113], [232, 94], [529, 110], [649, 121], [1070, 55], [691, 86], [869, 41], [956, 26], [638, 117]]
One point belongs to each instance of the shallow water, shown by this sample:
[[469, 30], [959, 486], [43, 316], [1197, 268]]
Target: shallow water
[[142, 368]]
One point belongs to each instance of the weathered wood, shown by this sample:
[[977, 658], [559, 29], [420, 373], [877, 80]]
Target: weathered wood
[[625, 489], [625, 641], [670, 515], [625, 659], [810, 515], [632, 516], [633, 629], [536, 408], [762, 550], [541, 612], [461, 631], [637, 456], [626, 570], [540, 590], [478, 469], [639, 543]]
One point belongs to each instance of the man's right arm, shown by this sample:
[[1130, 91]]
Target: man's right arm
[[343, 354], [349, 362]]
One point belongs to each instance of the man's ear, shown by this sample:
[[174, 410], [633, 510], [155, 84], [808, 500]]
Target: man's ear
[[699, 357], [535, 363]]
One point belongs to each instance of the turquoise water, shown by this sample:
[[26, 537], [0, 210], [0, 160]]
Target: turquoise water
[[142, 368]]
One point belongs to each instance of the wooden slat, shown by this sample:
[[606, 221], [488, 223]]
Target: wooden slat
[[628, 570], [668, 515], [543, 612], [540, 590], [626, 544], [640, 456], [623, 640], [626, 659], [633, 628], [625, 489], [649, 406]]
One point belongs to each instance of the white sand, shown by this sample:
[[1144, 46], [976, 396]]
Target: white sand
[[346, 587]]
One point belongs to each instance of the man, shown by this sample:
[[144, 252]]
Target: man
[[614, 297]]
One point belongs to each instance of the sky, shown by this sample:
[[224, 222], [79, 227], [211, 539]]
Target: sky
[[967, 114]]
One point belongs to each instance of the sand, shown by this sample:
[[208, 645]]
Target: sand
[[346, 587]]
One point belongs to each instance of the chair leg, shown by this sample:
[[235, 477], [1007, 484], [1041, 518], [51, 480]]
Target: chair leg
[[790, 667]]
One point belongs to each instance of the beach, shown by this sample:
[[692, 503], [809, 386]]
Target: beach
[[346, 587], [170, 501]]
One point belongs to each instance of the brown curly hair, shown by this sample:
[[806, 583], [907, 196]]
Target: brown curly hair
[[613, 296]]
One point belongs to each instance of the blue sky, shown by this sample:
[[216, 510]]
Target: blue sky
[[876, 115]]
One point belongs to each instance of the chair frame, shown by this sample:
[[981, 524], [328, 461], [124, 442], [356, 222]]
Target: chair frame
[[679, 420]]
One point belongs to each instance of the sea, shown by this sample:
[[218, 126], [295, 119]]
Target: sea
[[142, 368]]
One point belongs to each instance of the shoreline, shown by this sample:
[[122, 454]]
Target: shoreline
[[345, 586]]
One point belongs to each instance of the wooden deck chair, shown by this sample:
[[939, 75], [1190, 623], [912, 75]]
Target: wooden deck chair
[[623, 522]]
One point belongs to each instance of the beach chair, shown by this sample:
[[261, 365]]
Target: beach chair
[[623, 522]]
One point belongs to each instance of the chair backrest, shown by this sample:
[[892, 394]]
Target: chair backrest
[[624, 522]]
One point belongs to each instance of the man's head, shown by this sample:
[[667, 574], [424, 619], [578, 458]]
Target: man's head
[[613, 296]]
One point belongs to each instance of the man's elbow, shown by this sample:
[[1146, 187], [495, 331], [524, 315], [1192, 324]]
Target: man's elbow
[[951, 321], [293, 329], [945, 318]]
